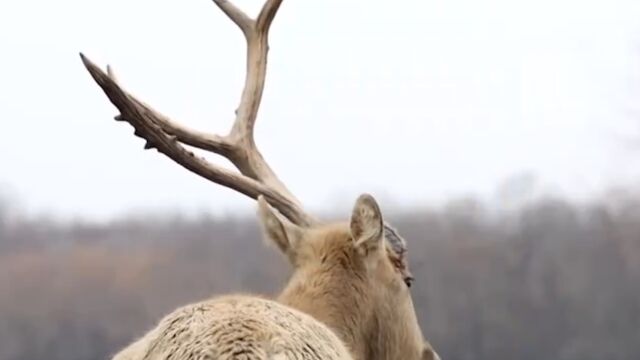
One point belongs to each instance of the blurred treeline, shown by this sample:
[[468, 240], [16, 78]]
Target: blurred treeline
[[550, 279]]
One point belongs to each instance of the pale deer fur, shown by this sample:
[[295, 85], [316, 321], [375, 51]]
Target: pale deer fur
[[237, 327], [348, 296], [344, 300]]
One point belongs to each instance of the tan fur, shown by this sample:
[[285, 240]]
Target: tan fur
[[362, 298], [237, 327], [344, 300]]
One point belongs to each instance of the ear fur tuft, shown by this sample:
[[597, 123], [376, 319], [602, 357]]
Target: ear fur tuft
[[367, 226]]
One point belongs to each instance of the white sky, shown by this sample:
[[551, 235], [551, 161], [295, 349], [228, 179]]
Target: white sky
[[412, 100]]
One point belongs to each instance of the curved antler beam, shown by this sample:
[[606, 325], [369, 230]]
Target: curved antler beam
[[145, 121], [256, 176]]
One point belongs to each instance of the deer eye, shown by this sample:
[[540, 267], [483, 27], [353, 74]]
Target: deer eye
[[408, 280]]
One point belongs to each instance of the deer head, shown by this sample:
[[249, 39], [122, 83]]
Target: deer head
[[352, 276], [344, 277]]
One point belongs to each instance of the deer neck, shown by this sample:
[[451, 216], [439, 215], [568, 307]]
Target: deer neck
[[395, 333], [345, 310]]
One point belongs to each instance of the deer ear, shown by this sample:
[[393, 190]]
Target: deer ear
[[397, 251], [367, 227], [277, 228]]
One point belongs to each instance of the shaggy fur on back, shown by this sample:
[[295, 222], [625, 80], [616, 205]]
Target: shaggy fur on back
[[237, 327]]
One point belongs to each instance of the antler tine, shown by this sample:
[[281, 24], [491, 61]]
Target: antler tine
[[210, 142], [246, 156], [267, 14], [244, 22], [256, 177]]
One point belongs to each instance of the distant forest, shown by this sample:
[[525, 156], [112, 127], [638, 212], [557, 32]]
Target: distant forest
[[551, 279]]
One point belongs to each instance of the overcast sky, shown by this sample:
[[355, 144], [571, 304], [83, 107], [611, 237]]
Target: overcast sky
[[413, 101]]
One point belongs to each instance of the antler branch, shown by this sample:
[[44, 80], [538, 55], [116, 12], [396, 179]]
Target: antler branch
[[256, 177], [267, 14], [210, 142], [236, 15]]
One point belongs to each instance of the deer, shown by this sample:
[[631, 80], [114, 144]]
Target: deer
[[348, 295]]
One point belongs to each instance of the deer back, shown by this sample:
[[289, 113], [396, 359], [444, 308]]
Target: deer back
[[237, 327]]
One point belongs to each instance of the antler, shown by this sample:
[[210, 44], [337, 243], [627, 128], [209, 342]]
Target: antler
[[256, 176]]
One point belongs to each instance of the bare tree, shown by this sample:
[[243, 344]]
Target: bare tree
[[376, 321]]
